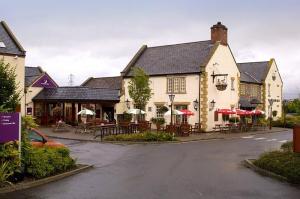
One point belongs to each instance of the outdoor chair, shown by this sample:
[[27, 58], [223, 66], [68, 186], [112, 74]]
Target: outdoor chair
[[143, 126], [196, 128], [171, 129], [185, 130]]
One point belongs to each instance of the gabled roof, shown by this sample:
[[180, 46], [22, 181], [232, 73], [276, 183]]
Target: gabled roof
[[32, 74], [171, 59], [78, 93], [12, 45], [104, 82], [253, 72]]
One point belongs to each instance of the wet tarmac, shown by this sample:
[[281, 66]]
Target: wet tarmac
[[204, 169]]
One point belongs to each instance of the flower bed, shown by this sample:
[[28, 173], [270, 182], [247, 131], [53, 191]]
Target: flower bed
[[141, 137]]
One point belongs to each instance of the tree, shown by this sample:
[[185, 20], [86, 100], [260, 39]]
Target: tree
[[139, 88], [9, 96]]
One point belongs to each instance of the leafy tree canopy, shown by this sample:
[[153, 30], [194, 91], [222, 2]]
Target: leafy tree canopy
[[9, 96], [139, 88]]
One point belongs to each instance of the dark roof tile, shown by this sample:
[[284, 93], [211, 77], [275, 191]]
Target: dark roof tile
[[32, 74], [253, 72], [104, 82], [12, 46], [174, 59], [79, 93]]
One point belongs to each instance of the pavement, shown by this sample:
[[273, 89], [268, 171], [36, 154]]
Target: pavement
[[209, 169], [193, 137]]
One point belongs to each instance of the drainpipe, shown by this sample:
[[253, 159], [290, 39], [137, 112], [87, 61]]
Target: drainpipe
[[199, 106]]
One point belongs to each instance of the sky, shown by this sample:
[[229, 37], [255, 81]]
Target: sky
[[89, 38]]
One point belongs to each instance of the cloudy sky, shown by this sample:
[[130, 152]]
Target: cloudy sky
[[98, 38]]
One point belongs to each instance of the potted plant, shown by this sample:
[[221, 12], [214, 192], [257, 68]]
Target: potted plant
[[158, 122]]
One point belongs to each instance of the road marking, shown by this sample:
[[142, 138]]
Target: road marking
[[247, 137], [260, 138], [282, 141], [271, 140]]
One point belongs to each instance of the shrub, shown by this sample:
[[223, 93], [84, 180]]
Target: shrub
[[285, 163], [234, 119], [141, 137], [288, 146], [43, 162], [5, 173], [157, 120], [9, 155]]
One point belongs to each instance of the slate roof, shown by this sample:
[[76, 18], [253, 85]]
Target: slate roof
[[78, 93], [173, 59], [253, 72], [104, 82], [12, 46], [32, 74]]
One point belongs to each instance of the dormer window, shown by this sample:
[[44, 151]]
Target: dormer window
[[2, 45]]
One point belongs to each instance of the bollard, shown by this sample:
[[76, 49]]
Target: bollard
[[296, 138]]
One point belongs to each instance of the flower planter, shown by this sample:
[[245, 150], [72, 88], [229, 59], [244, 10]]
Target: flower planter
[[221, 87]]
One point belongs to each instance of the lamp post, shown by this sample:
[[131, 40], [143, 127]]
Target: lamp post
[[171, 97], [270, 116]]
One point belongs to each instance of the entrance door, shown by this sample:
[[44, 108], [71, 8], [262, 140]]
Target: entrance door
[[108, 113]]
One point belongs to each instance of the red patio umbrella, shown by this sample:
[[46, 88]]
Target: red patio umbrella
[[226, 111], [257, 112], [243, 112], [187, 112]]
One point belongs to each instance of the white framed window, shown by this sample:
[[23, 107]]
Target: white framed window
[[176, 85], [158, 113], [170, 85], [269, 90]]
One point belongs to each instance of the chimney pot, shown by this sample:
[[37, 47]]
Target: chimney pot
[[219, 33]]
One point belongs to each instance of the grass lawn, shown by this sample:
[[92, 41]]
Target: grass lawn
[[283, 162]]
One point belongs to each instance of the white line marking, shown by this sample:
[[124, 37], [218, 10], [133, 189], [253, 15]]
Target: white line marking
[[282, 141], [260, 138], [271, 140], [247, 137]]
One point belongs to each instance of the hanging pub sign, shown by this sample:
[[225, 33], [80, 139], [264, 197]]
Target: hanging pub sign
[[10, 127]]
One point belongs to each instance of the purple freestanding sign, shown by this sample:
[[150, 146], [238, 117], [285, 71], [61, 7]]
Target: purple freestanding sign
[[10, 127]]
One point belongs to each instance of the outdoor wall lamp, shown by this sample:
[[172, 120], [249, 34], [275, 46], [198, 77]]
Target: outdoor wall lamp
[[127, 103], [212, 105], [171, 97], [196, 103]]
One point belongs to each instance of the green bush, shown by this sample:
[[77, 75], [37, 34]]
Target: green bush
[[43, 162], [288, 146], [290, 122], [234, 119], [157, 120], [5, 174], [284, 163], [141, 137], [9, 155]]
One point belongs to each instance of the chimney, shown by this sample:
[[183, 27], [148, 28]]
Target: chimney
[[219, 33]]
